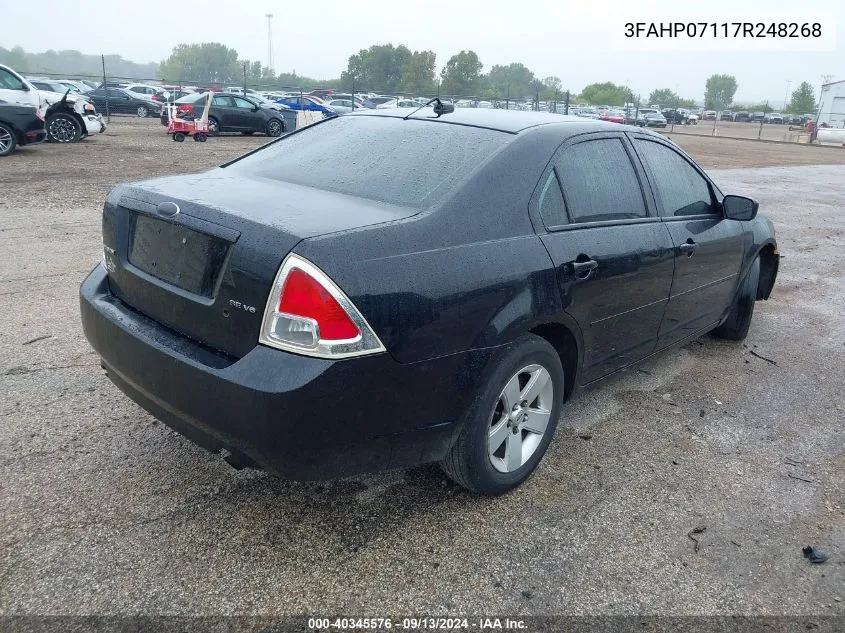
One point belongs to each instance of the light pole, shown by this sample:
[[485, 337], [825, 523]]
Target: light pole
[[269, 40]]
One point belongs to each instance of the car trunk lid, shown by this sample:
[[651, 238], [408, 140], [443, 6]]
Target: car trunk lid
[[199, 253]]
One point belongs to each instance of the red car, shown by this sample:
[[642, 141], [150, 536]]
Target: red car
[[613, 117]]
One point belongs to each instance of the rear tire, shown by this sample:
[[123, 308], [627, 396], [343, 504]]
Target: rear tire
[[8, 140], [178, 137], [213, 126], [735, 327], [509, 424]]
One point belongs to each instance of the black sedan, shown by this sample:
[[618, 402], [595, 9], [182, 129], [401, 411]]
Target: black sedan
[[122, 102], [19, 125], [375, 291], [230, 113]]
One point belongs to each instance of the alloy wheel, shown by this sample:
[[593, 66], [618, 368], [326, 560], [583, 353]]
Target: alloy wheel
[[6, 140], [142, 111], [274, 128], [520, 418], [63, 130]]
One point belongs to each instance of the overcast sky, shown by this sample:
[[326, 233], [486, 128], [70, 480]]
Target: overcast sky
[[581, 41]]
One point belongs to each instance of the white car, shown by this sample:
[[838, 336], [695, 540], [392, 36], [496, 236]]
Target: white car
[[342, 106], [238, 90], [143, 90], [69, 116]]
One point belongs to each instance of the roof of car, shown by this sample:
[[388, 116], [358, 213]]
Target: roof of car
[[512, 121]]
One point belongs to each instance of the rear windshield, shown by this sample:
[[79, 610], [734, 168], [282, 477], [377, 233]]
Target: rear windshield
[[408, 163]]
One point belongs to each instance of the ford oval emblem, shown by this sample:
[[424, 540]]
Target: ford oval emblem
[[167, 209]]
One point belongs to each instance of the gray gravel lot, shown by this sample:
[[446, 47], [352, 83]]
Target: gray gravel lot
[[107, 511]]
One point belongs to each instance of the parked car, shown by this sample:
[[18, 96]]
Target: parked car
[[163, 96], [374, 102], [774, 118], [757, 117], [359, 99], [230, 113], [76, 86], [238, 90], [742, 116], [709, 115], [20, 124], [251, 307], [341, 106], [306, 103], [613, 116], [676, 115], [587, 113], [650, 118], [143, 89], [123, 102], [69, 116], [726, 115]]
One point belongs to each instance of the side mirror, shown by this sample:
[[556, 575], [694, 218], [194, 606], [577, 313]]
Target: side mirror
[[255, 108], [740, 208]]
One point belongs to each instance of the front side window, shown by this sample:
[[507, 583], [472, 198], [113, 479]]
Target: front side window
[[681, 190], [599, 182], [243, 103], [9, 82]]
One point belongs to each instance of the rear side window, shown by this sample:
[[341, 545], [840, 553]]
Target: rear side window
[[552, 207], [680, 188], [599, 182], [409, 163]]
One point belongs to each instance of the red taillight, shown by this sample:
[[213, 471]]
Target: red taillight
[[307, 313], [303, 296], [185, 108], [156, 98]]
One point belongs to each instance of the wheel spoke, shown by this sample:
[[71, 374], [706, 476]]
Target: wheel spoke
[[537, 421], [498, 435], [510, 394], [539, 379], [513, 452]]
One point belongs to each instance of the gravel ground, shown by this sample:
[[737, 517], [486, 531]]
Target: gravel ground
[[105, 511]]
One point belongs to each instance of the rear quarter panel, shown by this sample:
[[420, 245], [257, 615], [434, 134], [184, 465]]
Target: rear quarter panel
[[468, 274]]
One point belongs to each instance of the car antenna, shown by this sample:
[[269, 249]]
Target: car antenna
[[439, 109]]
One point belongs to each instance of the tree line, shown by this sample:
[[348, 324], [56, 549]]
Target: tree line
[[385, 68]]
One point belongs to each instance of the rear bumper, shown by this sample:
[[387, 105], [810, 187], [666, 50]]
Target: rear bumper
[[302, 418], [32, 137]]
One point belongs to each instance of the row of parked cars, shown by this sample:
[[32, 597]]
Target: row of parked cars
[[743, 116]]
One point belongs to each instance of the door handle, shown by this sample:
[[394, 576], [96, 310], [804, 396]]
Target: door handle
[[583, 269], [688, 247]]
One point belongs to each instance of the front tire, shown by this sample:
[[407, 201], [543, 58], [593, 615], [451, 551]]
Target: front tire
[[142, 111], [63, 128], [735, 327], [508, 426], [275, 127], [8, 141]]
